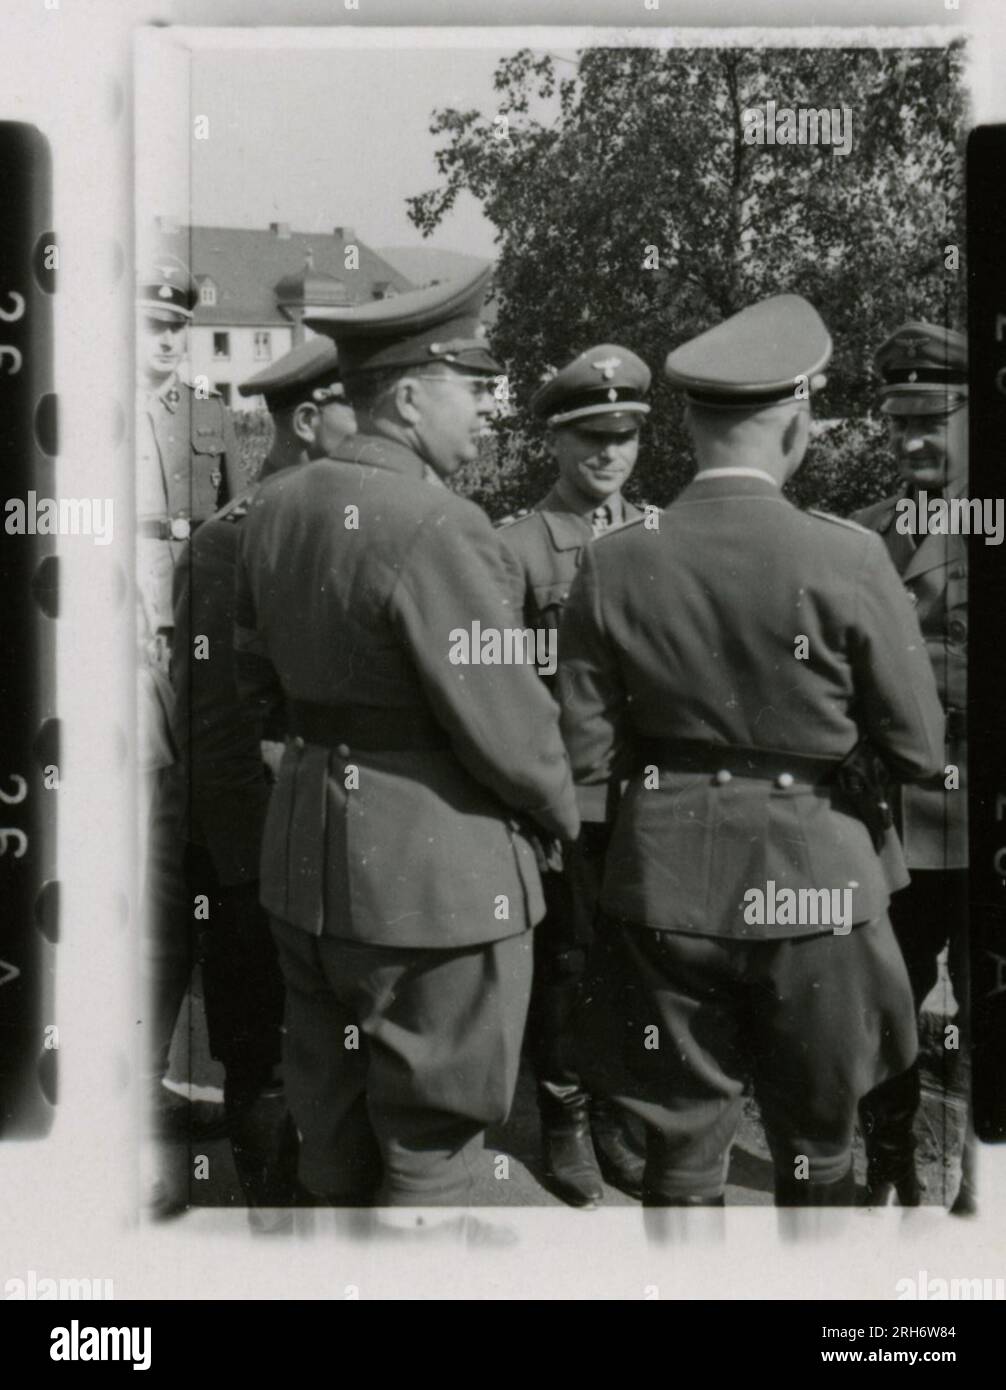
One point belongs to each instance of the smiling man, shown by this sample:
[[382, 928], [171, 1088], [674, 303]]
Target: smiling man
[[592, 410], [924, 397]]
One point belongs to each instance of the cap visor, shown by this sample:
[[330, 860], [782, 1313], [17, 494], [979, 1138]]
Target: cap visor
[[919, 403], [163, 313], [601, 418]]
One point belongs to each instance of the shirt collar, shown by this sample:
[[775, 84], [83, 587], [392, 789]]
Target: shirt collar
[[735, 473]]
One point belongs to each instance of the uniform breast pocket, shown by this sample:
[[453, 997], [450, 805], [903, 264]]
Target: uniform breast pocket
[[549, 600]]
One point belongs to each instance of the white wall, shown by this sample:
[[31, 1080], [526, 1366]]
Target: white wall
[[242, 362]]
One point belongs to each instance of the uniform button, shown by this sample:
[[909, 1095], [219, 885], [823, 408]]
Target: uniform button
[[784, 780], [343, 750], [724, 776]]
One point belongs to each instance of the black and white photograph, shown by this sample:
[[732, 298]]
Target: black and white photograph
[[525, 805]]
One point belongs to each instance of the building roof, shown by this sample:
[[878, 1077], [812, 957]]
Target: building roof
[[253, 270]]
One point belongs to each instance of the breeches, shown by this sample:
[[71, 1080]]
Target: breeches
[[396, 1060], [675, 1023]]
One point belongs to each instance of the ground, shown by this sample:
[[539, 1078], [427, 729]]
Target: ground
[[939, 1129]]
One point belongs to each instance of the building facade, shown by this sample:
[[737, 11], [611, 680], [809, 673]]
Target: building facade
[[255, 286]]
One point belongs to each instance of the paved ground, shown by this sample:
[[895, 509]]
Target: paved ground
[[939, 1131]]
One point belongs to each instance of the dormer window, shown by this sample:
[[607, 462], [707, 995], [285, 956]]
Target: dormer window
[[208, 294]]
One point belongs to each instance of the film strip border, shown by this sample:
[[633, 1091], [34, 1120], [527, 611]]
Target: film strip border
[[986, 206], [29, 604]]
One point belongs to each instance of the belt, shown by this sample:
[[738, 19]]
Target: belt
[[372, 728], [179, 528], [724, 761]]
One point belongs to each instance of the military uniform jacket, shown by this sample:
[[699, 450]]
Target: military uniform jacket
[[934, 819], [217, 734], [691, 632], [357, 608], [188, 467], [543, 549], [546, 545]]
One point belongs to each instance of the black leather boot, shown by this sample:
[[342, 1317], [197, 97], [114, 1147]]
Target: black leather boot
[[799, 1192], [567, 1149], [264, 1146], [620, 1163], [887, 1118], [966, 1201]]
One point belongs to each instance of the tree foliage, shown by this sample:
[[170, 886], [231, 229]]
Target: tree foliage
[[636, 148]]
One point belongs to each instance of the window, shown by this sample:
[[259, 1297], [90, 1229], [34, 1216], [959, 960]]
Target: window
[[263, 346], [221, 345], [208, 294], [224, 387]]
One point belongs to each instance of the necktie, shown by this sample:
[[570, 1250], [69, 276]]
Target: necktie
[[600, 519]]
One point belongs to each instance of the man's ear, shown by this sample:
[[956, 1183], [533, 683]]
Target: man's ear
[[405, 397], [305, 422]]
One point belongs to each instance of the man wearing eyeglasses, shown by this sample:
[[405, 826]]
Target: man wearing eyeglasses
[[592, 411], [396, 865], [924, 397]]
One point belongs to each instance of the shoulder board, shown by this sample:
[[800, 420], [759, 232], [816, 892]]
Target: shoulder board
[[840, 521], [511, 520]]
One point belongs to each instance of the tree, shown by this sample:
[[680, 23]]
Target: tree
[[630, 207]]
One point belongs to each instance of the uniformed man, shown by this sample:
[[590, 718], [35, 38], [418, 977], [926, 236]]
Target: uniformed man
[[592, 410], [924, 396], [726, 663], [221, 747], [397, 866], [187, 463], [186, 468]]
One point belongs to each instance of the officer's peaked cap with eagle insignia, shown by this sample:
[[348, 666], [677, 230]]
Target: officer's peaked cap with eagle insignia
[[166, 291], [419, 328], [924, 370], [603, 388]]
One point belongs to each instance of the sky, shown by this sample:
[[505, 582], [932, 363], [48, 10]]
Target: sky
[[334, 138]]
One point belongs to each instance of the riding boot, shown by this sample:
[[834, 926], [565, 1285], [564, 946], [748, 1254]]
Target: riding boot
[[567, 1149], [966, 1201], [264, 1146], [887, 1117], [800, 1192], [620, 1164]]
